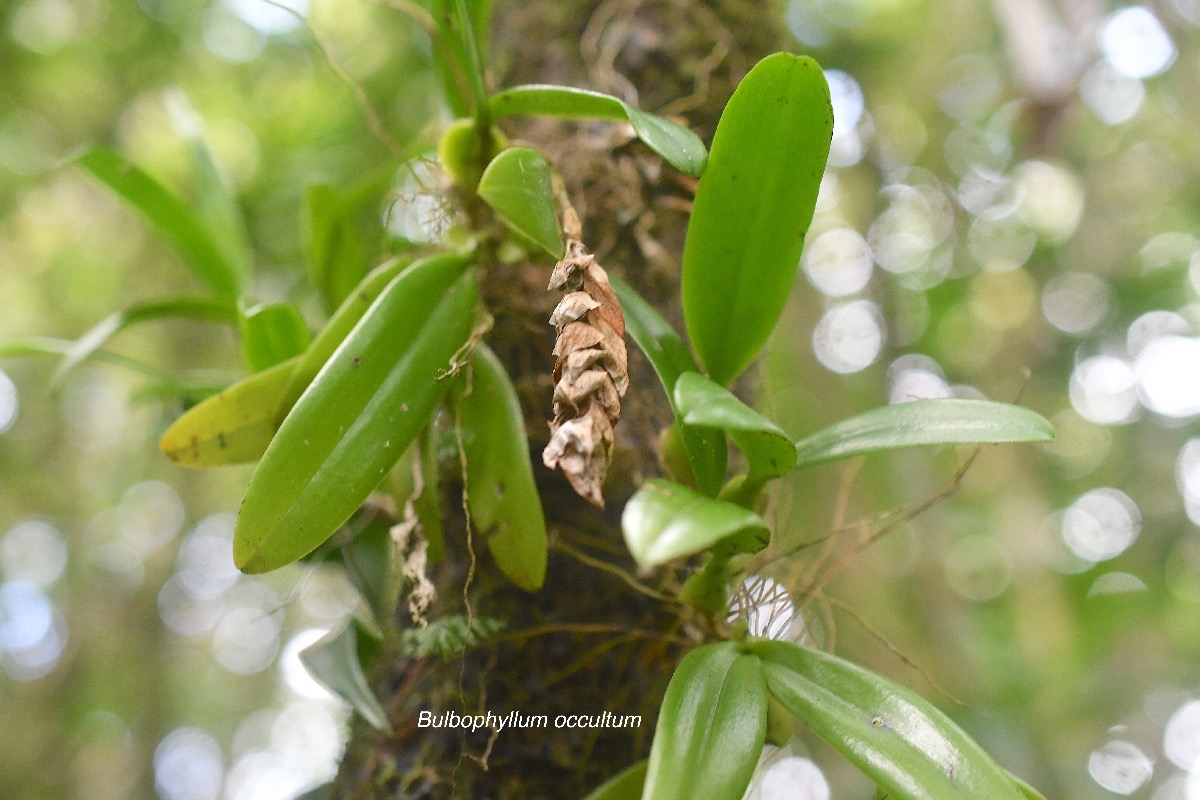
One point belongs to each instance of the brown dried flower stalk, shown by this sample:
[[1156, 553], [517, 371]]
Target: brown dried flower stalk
[[591, 368]]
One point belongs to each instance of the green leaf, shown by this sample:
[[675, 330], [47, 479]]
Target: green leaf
[[676, 144], [1025, 789], [625, 785], [902, 742], [664, 521], [327, 340], [215, 203], [711, 728], [204, 309], [271, 334], [516, 184], [924, 422], [459, 47], [368, 560], [753, 207], [170, 215], [670, 358], [233, 426], [334, 663], [502, 497], [769, 451], [375, 394], [335, 259]]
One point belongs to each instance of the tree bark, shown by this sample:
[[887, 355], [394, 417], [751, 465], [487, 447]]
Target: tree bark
[[594, 639]]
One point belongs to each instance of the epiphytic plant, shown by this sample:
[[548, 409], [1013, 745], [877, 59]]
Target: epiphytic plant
[[361, 408]]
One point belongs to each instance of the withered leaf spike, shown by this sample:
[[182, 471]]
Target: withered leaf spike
[[591, 367]]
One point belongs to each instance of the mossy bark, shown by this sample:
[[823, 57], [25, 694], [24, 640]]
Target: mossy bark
[[589, 641]]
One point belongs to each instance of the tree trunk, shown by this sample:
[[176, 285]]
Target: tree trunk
[[593, 639]]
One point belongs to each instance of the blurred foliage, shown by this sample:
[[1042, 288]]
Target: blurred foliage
[[1010, 211]]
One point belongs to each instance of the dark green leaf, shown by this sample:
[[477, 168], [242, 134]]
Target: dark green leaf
[[924, 422], [373, 397], [271, 334], [625, 785], [704, 447], [753, 206], [905, 745], [368, 559], [676, 144], [334, 663], [517, 187], [205, 309], [664, 521], [502, 497], [337, 329], [166, 212], [768, 449], [711, 728], [233, 426]]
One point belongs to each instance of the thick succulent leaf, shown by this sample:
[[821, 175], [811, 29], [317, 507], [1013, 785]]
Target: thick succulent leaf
[[670, 358], [235, 425], [711, 728], [337, 329], [350, 426], [902, 742], [676, 144], [204, 309], [924, 422], [335, 663], [271, 334], [769, 451], [502, 497], [625, 785], [753, 207], [516, 184], [170, 215], [664, 521]]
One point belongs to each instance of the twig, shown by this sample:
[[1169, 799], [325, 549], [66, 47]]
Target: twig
[[838, 604], [611, 569]]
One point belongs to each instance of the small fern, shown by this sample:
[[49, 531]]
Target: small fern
[[449, 636]]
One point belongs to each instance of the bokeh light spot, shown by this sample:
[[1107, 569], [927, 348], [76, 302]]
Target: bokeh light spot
[[1101, 525], [1075, 302], [1111, 96], [1135, 44], [1103, 389], [1168, 376], [188, 766], [9, 402], [848, 338], [33, 551], [838, 262], [1181, 736], [1120, 767], [793, 778]]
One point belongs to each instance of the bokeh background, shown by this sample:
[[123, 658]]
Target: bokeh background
[[1011, 210]]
